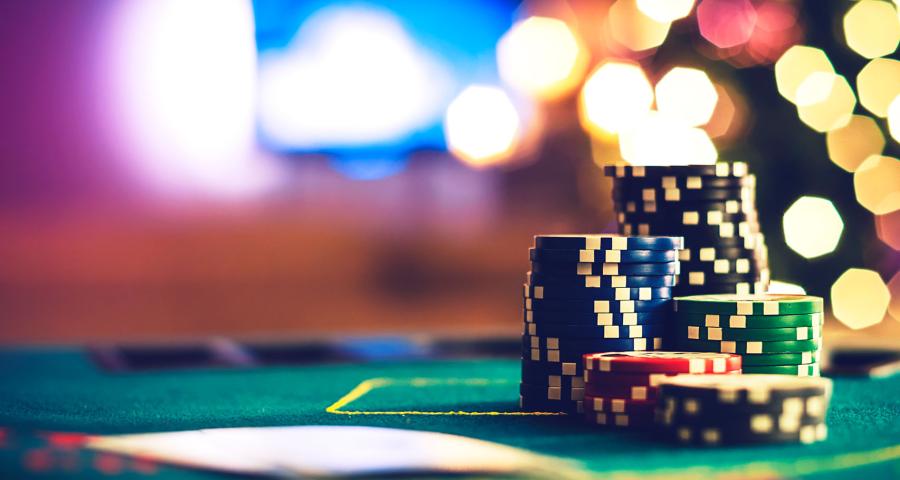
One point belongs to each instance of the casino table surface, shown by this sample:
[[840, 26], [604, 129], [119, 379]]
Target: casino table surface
[[50, 390]]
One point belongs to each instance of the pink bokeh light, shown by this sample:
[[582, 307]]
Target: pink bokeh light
[[726, 23]]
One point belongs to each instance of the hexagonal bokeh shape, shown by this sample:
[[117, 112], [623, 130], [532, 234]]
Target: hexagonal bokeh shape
[[877, 184], [812, 226], [688, 95], [853, 143], [872, 28], [795, 65], [878, 83], [665, 11], [615, 97], [726, 23], [894, 119], [482, 126], [541, 56], [662, 140], [834, 110], [859, 298], [634, 30]]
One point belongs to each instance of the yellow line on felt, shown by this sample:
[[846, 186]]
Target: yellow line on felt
[[367, 386]]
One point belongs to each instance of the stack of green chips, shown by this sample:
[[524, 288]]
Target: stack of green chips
[[778, 334]]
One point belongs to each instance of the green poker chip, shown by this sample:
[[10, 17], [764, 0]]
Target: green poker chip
[[751, 348], [783, 359], [693, 332], [807, 370], [750, 321], [749, 304]]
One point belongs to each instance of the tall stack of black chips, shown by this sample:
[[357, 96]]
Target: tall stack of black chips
[[712, 207], [589, 294]]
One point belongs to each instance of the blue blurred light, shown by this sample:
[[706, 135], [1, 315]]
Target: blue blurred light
[[441, 47]]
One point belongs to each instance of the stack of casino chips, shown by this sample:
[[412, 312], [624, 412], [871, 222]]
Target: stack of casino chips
[[588, 294], [776, 334], [621, 389], [743, 409], [712, 207]]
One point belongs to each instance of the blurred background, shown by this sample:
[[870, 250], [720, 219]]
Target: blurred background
[[186, 168]]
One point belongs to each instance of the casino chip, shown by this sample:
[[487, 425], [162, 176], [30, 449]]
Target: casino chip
[[662, 362], [721, 169], [603, 256], [606, 269], [743, 409], [597, 306], [752, 321], [596, 281], [777, 334], [595, 293], [590, 318], [587, 294], [606, 242], [763, 304], [712, 207], [595, 331], [621, 388]]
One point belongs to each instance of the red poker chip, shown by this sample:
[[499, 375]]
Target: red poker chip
[[628, 392], [597, 377], [661, 361]]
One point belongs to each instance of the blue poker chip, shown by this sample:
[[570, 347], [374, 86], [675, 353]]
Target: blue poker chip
[[596, 293], [603, 256], [599, 319], [608, 269], [598, 306], [595, 281], [575, 331], [574, 350], [606, 242]]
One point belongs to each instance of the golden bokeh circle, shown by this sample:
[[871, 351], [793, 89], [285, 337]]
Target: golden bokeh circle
[[859, 298]]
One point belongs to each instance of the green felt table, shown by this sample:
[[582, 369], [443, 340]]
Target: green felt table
[[61, 390]]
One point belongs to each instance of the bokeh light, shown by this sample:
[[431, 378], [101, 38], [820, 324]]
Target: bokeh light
[[785, 288], [665, 11], [541, 57], [776, 31], [662, 140], [872, 28], [894, 119], [615, 97], [812, 226], [877, 184], [188, 125], [878, 83], [796, 65], [726, 23], [825, 101], [686, 94], [894, 289], [859, 298], [634, 30], [851, 144], [887, 228], [482, 126]]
